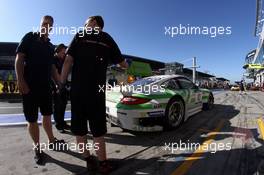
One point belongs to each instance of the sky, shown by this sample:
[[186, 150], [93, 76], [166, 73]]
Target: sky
[[139, 28]]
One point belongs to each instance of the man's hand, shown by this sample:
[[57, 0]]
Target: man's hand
[[23, 87], [60, 85], [59, 89]]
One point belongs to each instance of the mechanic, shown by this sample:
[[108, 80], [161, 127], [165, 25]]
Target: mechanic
[[88, 56], [241, 84], [34, 69], [60, 98]]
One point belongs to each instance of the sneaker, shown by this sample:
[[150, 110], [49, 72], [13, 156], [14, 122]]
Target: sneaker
[[56, 145], [91, 163], [67, 127], [105, 167], [61, 131], [60, 128], [39, 157]]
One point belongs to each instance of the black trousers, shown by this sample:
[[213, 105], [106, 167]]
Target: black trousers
[[59, 105]]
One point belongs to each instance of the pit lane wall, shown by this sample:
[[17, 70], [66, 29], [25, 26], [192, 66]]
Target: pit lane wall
[[8, 84]]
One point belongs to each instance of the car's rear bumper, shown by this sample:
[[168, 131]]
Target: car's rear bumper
[[136, 119]]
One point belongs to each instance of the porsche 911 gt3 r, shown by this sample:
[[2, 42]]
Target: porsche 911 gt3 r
[[167, 101]]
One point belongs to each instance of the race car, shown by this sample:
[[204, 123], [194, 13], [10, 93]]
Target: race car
[[156, 103]]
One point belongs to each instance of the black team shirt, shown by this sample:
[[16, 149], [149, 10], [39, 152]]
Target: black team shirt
[[38, 61], [91, 53]]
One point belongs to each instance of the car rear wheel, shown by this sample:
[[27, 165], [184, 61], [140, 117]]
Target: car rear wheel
[[210, 104], [174, 114]]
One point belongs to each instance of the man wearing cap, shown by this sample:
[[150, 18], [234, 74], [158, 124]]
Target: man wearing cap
[[88, 55], [60, 98]]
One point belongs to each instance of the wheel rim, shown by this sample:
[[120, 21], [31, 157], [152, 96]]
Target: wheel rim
[[175, 113]]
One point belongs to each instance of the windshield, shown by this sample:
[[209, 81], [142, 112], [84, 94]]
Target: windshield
[[144, 81]]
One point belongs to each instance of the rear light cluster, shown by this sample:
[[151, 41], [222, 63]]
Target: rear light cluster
[[134, 100]]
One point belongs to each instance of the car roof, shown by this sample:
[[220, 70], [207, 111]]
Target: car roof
[[163, 77]]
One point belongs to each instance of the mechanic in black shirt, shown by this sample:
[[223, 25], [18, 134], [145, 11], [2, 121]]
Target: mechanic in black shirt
[[60, 98], [33, 65], [88, 55]]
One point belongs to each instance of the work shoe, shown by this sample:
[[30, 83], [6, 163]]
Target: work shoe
[[60, 128], [91, 163], [67, 127], [61, 131], [57, 145], [39, 157], [105, 167]]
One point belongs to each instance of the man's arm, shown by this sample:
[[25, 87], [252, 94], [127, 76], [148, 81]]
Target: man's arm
[[66, 68], [116, 57], [19, 68], [55, 74]]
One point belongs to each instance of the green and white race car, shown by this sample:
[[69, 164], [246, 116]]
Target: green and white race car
[[156, 103]]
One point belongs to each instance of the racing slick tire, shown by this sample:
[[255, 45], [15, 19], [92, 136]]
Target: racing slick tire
[[210, 104], [174, 114]]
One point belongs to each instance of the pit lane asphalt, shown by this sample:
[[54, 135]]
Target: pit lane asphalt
[[234, 121]]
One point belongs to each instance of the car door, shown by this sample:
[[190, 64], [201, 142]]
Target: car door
[[195, 95], [173, 85]]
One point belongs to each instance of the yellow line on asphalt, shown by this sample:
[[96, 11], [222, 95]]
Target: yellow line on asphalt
[[261, 127], [186, 165]]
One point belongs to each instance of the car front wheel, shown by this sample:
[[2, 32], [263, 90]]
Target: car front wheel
[[210, 104]]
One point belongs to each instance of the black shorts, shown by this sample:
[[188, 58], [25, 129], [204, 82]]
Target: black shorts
[[35, 100], [90, 109]]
